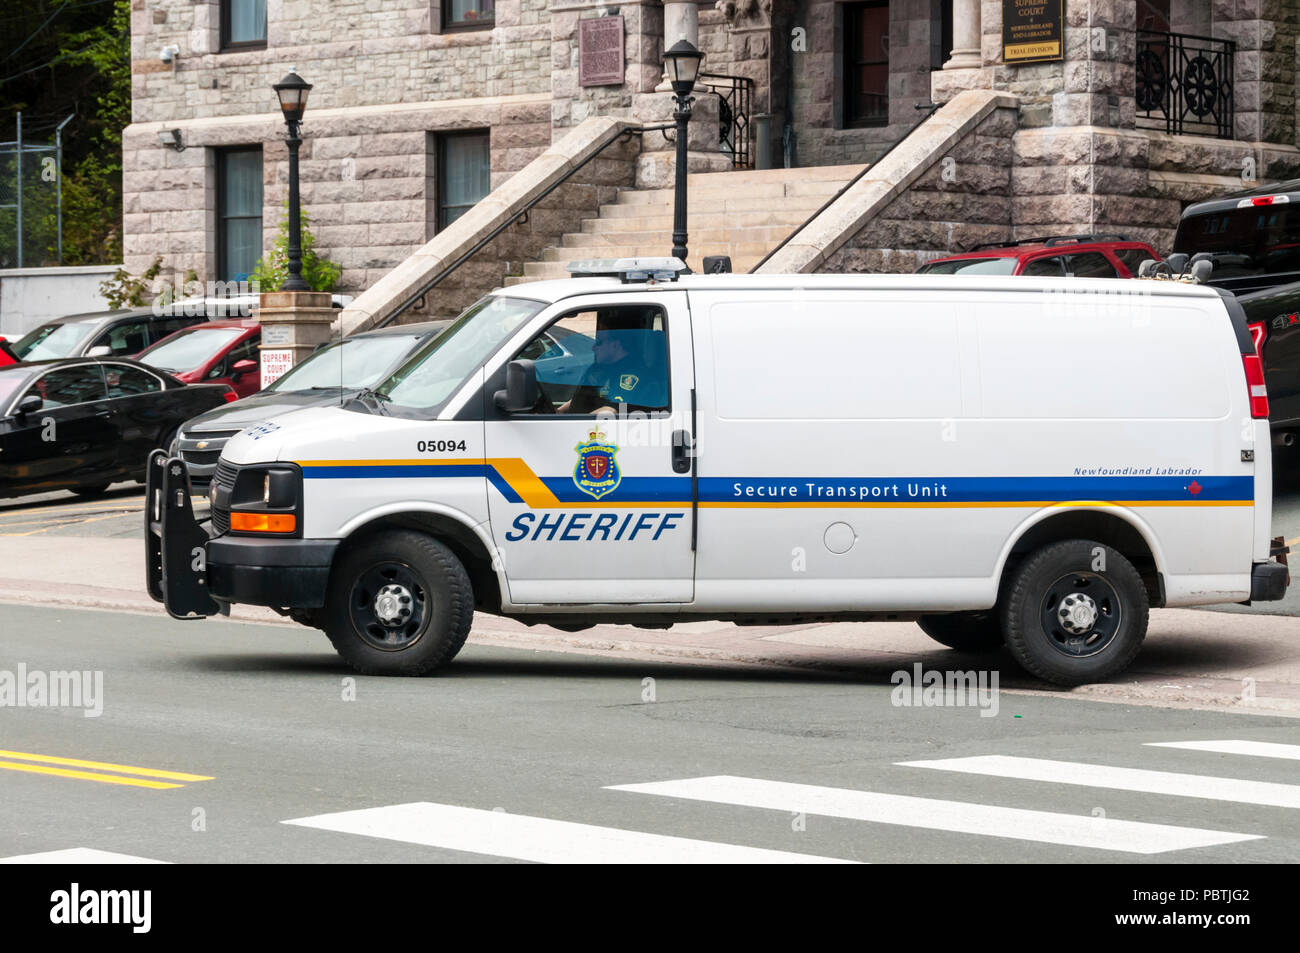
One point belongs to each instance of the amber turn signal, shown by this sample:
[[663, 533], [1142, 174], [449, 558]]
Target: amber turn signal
[[263, 522]]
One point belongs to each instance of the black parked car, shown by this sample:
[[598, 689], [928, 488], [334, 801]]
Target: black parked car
[[83, 423], [333, 373]]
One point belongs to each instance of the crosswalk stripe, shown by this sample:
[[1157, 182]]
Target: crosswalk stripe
[[1073, 830], [78, 855], [1241, 791], [1260, 749], [539, 839]]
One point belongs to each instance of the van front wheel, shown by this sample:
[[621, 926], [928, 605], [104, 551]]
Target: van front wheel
[[1075, 612], [399, 604], [964, 631]]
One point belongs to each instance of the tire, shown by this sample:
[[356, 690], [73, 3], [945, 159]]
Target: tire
[[964, 631], [430, 605], [1071, 650], [168, 439], [90, 492]]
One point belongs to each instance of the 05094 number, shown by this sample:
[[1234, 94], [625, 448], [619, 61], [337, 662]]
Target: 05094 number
[[439, 446]]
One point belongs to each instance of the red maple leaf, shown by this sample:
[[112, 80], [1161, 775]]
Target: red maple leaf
[[1194, 489]]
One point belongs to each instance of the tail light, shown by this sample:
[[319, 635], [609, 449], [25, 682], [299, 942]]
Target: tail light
[[232, 395], [1254, 364]]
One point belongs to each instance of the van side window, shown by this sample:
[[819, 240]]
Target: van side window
[[602, 360]]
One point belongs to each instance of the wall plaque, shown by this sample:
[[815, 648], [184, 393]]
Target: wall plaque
[[600, 51], [1033, 31]]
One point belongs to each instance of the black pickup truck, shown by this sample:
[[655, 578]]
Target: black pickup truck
[[1253, 240]]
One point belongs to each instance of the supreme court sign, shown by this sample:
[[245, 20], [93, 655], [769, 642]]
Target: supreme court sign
[[600, 51], [1033, 31]]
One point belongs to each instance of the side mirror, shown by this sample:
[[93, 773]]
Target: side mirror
[[30, 404], [243, 367], [521, 393], [1177, 262], [101, 350]]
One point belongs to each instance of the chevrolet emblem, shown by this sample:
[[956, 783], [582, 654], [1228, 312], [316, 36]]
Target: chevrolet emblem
[[202, 445]]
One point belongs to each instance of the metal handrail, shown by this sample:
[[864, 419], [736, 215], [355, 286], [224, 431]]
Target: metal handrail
[[517, 219], [929, 111]]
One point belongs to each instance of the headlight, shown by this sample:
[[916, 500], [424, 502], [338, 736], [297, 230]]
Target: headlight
[[267, 499]]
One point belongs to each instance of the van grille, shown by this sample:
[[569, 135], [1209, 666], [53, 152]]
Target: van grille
[[224, 479]]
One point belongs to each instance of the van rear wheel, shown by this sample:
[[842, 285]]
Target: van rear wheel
[[400, 603], [1075, 612], [964, 631]]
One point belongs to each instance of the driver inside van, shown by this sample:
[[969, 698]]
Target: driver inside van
[[628, 368]]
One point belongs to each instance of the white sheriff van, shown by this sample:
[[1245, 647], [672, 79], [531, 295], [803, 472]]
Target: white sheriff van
[[1004, 460]]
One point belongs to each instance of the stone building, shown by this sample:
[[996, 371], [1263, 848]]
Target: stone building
[[1111, 120]]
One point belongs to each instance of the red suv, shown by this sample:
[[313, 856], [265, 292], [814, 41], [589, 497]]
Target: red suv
[[1056, 256]]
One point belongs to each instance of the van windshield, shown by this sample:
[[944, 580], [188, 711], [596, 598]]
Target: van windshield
[[433, 373]]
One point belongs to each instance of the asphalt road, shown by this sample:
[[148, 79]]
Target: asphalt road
[[257, 725]]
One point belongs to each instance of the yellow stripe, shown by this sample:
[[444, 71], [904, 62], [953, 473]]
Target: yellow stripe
[[104, 766], [86, 775], [971, 505], [422, 462], [521, 478]]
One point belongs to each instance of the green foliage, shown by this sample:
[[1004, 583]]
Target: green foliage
[[126, 291], [92, 188], [272, 271]]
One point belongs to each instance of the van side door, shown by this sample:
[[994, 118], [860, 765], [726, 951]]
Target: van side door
[[590, 501]]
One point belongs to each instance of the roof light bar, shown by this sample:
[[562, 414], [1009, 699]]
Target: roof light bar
[[628, 269]]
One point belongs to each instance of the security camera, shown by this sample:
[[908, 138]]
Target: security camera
[[169, 53]]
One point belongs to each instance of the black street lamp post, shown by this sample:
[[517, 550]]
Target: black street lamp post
[[683, 65], [292, 92]]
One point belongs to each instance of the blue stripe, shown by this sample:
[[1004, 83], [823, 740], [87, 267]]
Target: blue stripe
[[632, 489], [979, 489]]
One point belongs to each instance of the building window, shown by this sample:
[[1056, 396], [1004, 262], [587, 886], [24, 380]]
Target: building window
[[239, 212], [940, 33], [468, 14], [243, 24], [463, 173], [866, 63]]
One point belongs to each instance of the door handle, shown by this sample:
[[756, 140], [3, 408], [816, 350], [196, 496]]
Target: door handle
[[683, 451]]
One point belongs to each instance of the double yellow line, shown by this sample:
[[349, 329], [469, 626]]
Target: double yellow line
[[68, 768]]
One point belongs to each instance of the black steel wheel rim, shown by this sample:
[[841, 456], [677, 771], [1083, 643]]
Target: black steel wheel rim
[[1102, 632], [394, 632]]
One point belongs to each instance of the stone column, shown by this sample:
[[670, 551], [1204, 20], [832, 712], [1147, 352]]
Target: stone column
[[965, 36], [294, 324], [681, 22]]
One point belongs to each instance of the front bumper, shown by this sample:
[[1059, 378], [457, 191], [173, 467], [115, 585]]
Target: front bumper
[[196, 575], [282, 573]]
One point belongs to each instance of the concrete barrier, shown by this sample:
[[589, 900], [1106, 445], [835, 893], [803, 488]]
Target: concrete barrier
[[30, 296]]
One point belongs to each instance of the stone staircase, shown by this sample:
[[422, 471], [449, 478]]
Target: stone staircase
[[741, 214]]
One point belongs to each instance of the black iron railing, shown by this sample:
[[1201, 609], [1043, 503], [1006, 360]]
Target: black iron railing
[[1184, 84], [735, 96]]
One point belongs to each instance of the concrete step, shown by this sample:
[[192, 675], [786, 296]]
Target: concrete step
[[542, 270], [770, 218], [770, 190], [659, 248], [734, 202], [749, 233]]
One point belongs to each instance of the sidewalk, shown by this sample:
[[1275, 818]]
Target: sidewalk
[[1192, 659]]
